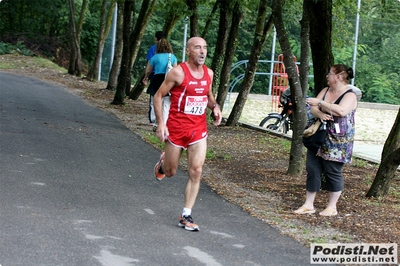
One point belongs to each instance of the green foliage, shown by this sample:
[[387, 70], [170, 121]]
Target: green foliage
[[5, 48], [43, 17], [377, 66], [19, 48], [383, 89], [382, 86]]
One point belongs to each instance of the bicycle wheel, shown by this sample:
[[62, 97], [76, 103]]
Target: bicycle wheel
[[275, 124]]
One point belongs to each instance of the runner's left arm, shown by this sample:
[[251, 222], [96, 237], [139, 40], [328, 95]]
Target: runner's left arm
[[212, 103]]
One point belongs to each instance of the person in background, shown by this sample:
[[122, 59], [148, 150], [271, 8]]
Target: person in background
[[335, 104], [150, 53], [189, 85], [158, 65]]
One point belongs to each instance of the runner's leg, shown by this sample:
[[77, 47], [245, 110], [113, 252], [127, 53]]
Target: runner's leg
[[196, 156], [171, 159]]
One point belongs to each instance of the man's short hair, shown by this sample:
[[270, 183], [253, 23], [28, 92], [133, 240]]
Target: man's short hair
[[159, 35]]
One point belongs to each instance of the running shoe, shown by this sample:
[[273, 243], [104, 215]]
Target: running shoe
[[186, 222], [157, 168]]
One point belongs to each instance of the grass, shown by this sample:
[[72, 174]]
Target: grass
[[360, 162], [153, 139], [227, 157], [36, 62], [367, 180], [284, 143], [211, 153], [395, 193], [319, 240], [344, 238]]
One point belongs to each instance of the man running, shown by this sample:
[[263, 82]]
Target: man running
[[189, 84]]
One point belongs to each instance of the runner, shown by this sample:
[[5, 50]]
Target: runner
[[190, 87]]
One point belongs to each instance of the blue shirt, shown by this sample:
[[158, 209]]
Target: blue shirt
[[151, 52], [159, 62]]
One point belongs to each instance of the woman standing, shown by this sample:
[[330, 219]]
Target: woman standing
[[159, 62], [336, 105]]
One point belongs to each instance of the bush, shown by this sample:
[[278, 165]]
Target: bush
[[19, 48]]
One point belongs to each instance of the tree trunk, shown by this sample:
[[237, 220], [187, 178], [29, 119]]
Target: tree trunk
[[389, 163], [262, 29], [237, 17], [75, 60], [135, 39], [320, 14], [170, 22], [113, 76], [131, 45], [220, 48], [296, 160], [194, 26], [304, 68], [129, 7], [139, 87], [81, 20], [104, 30], [211, 18]]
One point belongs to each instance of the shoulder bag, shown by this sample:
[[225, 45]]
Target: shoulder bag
[[169, 65]]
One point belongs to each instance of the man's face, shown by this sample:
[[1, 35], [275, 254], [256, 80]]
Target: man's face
[[197, 50]]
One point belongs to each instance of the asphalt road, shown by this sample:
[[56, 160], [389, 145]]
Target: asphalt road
[[77, 188]]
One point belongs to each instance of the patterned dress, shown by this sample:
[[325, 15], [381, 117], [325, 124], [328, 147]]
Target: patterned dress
[[338, 145]]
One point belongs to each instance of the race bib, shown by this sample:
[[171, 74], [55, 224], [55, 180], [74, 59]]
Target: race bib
[[196, 105]]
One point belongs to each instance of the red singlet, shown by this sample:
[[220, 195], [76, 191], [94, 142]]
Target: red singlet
[[187, 121]]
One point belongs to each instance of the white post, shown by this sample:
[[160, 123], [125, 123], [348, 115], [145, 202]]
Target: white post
[[356, 41], [114, 33], [184, 41], [271, 71], [99, 73]]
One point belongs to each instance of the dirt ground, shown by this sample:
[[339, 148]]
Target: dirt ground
[[248, 168]]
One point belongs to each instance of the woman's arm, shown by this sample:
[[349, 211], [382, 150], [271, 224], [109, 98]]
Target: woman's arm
[[149, 69]]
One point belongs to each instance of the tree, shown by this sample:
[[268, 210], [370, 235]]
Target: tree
[[389, 163], [75, 60], [320, 15], [171, 18], [124, 71], [113, 76], [220, 48], [211, 18], [131, 45], [194, 26], [304, 68], [263, 27], [296, 161], [105, 25], [135, 39], [81, 19], [174, 12], [232, 43]]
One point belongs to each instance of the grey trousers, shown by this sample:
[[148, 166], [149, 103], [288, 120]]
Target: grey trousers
[[316, 166], [166, 103]]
